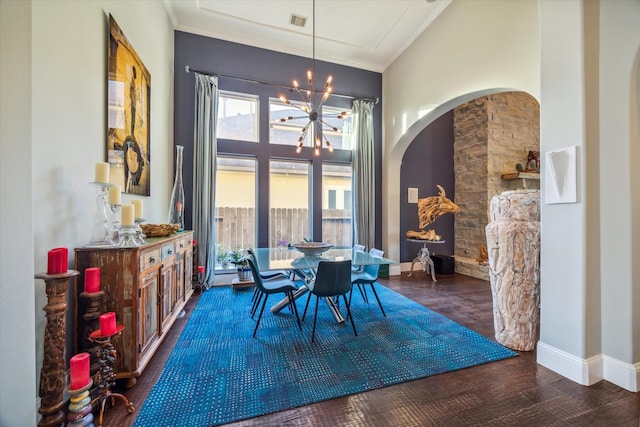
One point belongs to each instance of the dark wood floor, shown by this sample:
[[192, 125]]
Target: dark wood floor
[[512, 392]]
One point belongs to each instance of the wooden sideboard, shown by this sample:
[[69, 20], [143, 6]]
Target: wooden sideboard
[[146, 286]]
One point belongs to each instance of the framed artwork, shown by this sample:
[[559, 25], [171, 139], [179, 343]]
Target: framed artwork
[[561, 176], [128, 94]]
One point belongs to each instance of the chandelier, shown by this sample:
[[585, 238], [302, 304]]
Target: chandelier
[[310, 106]]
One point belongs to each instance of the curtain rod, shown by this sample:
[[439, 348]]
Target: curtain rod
[[193, 70]]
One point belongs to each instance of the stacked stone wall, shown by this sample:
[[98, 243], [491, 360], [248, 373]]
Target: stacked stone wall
[[491, 135]]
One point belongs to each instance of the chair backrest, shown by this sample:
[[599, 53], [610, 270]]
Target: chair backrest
[[376, 252], [332, 278], [371, 270], [256, 274], [358, 248], [252, 254]]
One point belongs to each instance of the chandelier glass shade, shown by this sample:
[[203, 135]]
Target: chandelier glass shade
[[310, 107]]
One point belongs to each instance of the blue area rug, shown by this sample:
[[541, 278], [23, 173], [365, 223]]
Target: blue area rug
[[217, 373]]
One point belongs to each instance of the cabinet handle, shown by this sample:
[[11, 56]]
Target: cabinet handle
[[169, 251], [152, 260]]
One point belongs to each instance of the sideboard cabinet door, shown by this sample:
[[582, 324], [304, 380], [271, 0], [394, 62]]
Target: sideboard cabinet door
[[149, 325]]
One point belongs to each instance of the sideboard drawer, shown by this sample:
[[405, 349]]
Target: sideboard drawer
[[168, 251], [182, 244], [149, 259]]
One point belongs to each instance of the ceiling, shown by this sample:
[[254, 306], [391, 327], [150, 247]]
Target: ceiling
[[366, 34]]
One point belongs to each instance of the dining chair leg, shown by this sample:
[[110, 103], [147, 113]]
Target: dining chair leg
[[306, 306], [260, 315], [256, 303], [378, 299], [292, 302], [315, 317], [363, 292], [349, 315], [350, 295]]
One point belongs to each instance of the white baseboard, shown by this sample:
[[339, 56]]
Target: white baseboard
[[622, 374], [589, 371], [395, 269]]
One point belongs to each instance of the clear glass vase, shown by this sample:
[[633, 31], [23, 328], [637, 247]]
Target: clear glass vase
[[176, 206]]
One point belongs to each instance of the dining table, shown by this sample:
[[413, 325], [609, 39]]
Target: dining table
[[305, 266]]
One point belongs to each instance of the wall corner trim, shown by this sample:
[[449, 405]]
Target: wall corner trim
[[589, 371]]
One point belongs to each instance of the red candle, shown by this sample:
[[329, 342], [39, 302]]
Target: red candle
[[57, 259], [201, 269], [108, 323], [79, 371], [92, 280]]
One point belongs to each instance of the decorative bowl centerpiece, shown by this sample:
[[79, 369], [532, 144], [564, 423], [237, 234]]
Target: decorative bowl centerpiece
[[312, 248]]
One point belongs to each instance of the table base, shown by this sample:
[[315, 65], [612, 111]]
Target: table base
[[424, 257], [303, 290]]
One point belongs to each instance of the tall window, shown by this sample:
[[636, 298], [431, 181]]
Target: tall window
[[238, 116], [235, 204], [336, 204], [289, 215], [266, 193]]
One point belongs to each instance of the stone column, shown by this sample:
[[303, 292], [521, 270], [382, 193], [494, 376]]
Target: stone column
[[513, 244]]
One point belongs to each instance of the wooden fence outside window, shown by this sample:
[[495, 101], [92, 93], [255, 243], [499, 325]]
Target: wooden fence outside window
[[235, 227]]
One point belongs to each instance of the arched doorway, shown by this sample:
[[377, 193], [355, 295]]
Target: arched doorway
[[503, 144]]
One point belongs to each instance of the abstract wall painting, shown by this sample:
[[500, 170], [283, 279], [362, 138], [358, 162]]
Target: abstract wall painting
[[128, 94]]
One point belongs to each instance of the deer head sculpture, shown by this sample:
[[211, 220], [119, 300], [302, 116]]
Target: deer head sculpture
[[430, 208]]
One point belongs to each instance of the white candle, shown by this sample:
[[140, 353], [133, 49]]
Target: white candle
[[138, 207], [102, 172], [127, 212], [114, 195]]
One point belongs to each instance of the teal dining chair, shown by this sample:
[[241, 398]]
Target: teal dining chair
[[333, 279], [271, 274], [270, 287], [368, 276]]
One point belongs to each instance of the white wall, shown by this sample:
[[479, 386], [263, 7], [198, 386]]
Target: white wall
[[64, 136], [590, 325], [582, 63], [590, 287], [474, 47], [17, 333], [562, 124], [619, 136]]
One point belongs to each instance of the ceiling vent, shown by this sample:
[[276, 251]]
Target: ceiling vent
[[297, 20]]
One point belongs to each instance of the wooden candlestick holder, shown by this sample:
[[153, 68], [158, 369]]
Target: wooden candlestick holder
[[52, 374], [106, 377], [91, 316]]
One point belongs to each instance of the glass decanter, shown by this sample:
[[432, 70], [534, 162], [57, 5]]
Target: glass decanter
[[176, 206]]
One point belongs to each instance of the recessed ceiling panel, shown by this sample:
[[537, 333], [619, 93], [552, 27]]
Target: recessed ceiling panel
[[363, 34]]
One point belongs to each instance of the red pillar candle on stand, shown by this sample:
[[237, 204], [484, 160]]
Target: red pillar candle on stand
[[57, 259], [108, 323], [92, 280], [79, 371]]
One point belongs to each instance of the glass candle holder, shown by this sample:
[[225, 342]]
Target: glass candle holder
[[100, 235], [114, 221], [139, 234], [127, 236]]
